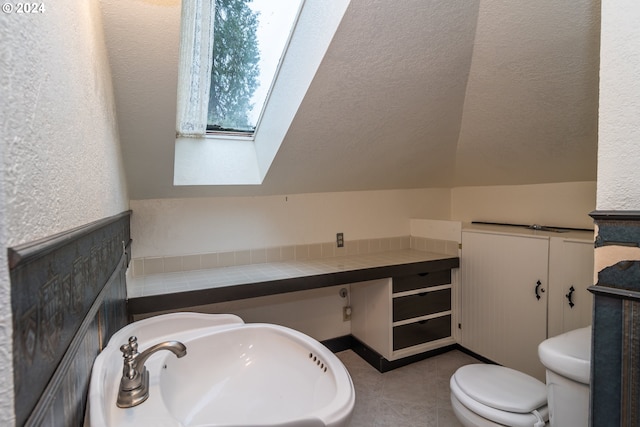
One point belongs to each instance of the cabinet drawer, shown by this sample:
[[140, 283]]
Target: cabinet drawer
[[421, 332], [421, 304], [422, 280]]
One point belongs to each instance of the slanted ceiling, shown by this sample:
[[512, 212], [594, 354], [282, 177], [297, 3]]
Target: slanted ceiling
[[410, 94]]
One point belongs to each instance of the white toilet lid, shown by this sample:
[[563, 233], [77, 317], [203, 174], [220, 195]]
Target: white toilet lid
[[501, 388]]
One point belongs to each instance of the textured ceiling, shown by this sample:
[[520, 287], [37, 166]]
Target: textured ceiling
[[531, 105], [410, 94]]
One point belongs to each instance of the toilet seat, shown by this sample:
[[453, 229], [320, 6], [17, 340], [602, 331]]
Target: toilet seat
[[501, 395]]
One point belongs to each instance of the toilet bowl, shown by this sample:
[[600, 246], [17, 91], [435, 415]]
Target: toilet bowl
[[567, 358], [492, 395]]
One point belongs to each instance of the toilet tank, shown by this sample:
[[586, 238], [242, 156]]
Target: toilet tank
[[567, 359]]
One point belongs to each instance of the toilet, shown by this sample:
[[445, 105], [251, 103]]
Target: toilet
[[567, 358], [496, 396], [493, 395]]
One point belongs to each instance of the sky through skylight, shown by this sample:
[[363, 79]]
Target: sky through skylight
[[276, 21]]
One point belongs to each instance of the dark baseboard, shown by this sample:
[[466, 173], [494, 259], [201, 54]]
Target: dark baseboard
[[337, 344], [372, 357], [475, 355]]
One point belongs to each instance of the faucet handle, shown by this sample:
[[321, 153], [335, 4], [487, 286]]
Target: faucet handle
[[129, 353], [130, 350]]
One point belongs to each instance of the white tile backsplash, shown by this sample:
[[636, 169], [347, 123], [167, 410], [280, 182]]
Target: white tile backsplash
[[173, 264], [315, 250], [226, 259], [274, 254], [153, 265], [288, 253], [191, 262], [208, 261], [302, 252]]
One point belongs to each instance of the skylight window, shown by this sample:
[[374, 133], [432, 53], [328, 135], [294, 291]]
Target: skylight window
[[250, 38], [223, 158]]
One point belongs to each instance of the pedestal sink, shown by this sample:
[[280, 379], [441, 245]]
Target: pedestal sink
[[234, 374]]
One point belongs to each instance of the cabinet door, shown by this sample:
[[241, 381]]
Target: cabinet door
[[570, 266], [502, 319]]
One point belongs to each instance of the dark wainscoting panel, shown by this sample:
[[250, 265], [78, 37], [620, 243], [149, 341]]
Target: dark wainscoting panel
[[615, 362], [68, 296]]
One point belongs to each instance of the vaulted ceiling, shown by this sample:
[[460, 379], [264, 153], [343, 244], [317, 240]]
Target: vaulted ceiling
[[410, 94]]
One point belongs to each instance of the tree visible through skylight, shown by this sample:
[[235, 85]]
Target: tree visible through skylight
[[250, 38]]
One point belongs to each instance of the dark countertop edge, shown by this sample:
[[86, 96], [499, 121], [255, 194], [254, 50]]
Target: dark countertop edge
[[619, 215], [178, 300]]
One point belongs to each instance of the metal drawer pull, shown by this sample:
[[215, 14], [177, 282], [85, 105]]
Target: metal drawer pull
[[538, 284], [569, 296], [422, 274]]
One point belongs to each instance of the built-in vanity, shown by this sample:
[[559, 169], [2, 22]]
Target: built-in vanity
[[401, 299], [404, 316]]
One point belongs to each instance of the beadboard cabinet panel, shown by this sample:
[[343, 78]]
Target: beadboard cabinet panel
[[570, 274], [502, 318]]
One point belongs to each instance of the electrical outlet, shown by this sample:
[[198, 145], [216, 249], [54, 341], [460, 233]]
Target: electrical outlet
[[346, 313], [340, 240]]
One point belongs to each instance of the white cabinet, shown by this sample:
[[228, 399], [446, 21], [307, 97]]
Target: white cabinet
[[404, 315], [570, 274], [513, 292], [502, 318]]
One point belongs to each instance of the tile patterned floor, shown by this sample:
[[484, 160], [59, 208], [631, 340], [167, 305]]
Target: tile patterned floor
[[411, 396]]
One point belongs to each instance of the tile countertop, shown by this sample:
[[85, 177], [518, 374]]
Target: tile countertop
[[191, 288]]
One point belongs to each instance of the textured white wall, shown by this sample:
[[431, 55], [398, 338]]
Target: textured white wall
[[531, 102], [61, 164], [562, 204], [619, 128], [64, 166], [167, 227], [6, 371], [164, 227]]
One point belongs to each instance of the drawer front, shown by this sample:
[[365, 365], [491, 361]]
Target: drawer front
[[422, 280], [421, 304], [421, 332]]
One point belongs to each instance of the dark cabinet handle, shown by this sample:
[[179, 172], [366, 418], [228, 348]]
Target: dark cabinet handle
[[569, 296], [539, 290], [422, 274]]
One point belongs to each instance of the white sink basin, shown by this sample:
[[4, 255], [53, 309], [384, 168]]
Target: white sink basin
[[234, 374]]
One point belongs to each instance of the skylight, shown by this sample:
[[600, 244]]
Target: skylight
[[226, 159], [250, 38]]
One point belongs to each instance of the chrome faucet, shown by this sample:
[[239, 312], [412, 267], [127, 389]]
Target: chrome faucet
[[134, 384]]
